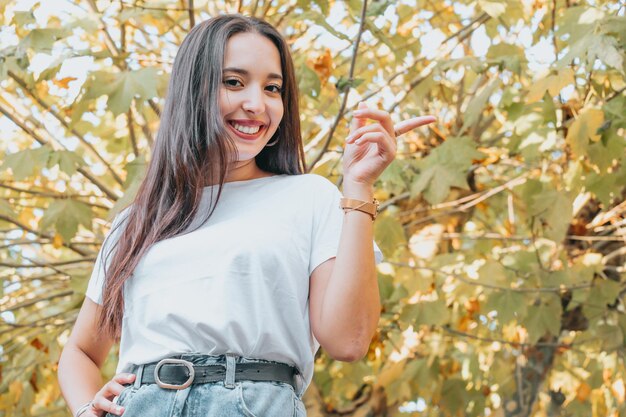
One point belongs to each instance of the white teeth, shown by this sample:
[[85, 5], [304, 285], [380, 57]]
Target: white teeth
[[250, 130]]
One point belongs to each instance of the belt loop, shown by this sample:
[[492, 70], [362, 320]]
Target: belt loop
[[138, 376], [229, 381]]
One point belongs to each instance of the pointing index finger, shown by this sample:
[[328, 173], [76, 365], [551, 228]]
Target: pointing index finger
[[407, 125]]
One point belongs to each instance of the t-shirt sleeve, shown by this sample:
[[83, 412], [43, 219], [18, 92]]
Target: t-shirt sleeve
[[96, 282], [327, 225]]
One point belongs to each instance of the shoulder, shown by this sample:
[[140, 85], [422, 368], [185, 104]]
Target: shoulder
[[314, 181]]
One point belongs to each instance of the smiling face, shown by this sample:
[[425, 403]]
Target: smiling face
[[250, 95]]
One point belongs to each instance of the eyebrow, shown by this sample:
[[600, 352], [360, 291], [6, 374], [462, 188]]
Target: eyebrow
[[242, 71]]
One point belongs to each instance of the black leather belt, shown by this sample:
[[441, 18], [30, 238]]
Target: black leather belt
[[174, 373]]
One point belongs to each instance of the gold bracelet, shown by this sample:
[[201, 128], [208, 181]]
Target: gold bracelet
[[350, 204]]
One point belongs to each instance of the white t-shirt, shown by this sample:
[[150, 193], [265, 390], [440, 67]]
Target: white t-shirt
[[239, 283]]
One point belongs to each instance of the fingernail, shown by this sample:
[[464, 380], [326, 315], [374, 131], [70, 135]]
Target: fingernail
[[358, 141], [357, 112]]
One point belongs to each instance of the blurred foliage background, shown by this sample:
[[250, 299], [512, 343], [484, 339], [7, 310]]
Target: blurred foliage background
[[503, 224]]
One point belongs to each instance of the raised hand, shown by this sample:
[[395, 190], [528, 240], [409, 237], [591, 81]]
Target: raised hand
[[371, 148]]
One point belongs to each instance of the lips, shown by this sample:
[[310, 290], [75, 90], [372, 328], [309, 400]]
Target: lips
[[247, 129]]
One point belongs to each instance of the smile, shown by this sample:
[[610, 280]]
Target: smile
[[246, 132]]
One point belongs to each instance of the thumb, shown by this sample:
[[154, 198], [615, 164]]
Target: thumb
[[358, 122]]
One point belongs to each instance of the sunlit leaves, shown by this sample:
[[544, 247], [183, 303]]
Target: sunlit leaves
[[67, 161], [141, 83], [508, 305], [41, 40], [477, 104], [492, 8], [308, 81], [542, 318], [24, 163], [65, 215], [426, 313], [29, 161], [389, 234], [444, 168], [553, 83], [585, 128], [492, 266]]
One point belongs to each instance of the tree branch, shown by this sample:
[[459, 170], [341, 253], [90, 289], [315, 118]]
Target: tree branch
[[342, 108], [110, 193], [66, 124]]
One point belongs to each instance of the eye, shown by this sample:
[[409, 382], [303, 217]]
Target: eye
[[233, 82], [275, 88]]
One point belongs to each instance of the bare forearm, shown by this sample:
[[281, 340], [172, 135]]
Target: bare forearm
[[351, 306], [79, 377]]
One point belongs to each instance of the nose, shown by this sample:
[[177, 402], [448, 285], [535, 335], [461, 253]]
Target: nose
[[255, 101]]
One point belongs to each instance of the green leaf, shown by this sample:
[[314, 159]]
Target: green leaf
[[492, 8], [135, 170], [42, 40], [553, 84], [577, 408], [509, 55], [603, 186], [476, 105], [25, 163], [553, 208], [378, 7], [445, 167], [510, 305], [426, 313], [98, 83], [131, 84], [609, 51], [602, 293], [68, 161], [543, 318], [6, 209], [454, 396], [389, 234], [308, 81], [584, 128], [65, 215], [492, 272], [79, 281], [321, 20], [49, 72], [23, 18], [344, 84]]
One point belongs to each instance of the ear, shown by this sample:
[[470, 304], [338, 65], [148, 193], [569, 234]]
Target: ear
[[358, 122]]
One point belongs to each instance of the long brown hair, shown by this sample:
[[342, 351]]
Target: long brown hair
[[192, 150]]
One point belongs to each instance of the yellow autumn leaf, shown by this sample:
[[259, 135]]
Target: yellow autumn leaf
[[552, 83], [57, 241], [63, 82], [585, 127], [16, 389], [323, 66], [598, 404], [391, 373], [583, 392]]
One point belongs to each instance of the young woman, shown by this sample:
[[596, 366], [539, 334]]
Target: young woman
[[231, 267]]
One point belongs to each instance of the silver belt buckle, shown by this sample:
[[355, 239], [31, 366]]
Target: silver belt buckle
[[162, 384]]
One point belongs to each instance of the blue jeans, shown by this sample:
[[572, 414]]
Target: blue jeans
[[213, 399]]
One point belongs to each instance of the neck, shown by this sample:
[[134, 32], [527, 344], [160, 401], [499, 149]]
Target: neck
[[244, 170]]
